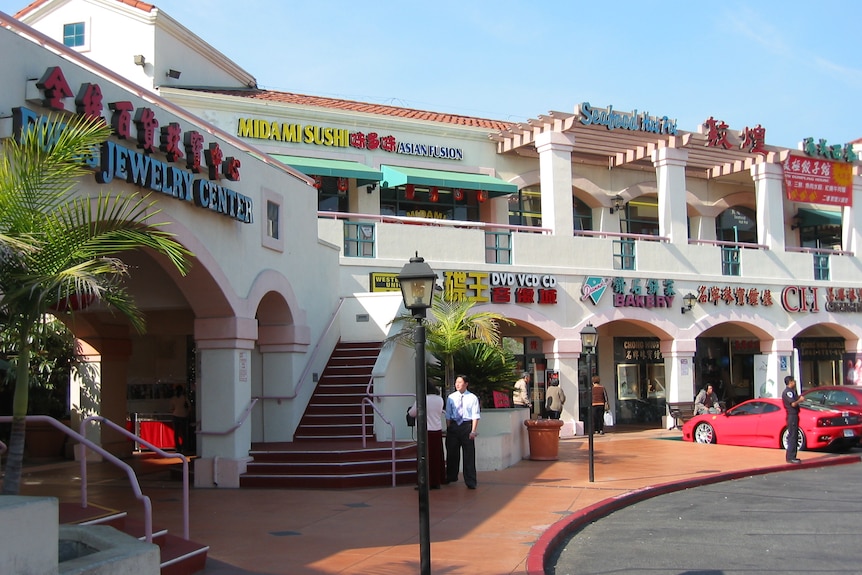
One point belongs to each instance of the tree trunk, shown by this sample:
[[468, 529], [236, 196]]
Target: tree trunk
[[15, 459]]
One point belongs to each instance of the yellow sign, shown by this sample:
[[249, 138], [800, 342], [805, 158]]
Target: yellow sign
[[382, 281]]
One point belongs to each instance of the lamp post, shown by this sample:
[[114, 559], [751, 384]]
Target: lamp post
[[589, 337], [417, 288]]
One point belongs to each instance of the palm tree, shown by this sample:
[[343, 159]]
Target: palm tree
[[452, 326], [57, 250], [488, 368]]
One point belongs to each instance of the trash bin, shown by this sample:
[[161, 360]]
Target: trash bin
[[544, 437]]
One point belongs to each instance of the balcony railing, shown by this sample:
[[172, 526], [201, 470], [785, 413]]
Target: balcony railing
[[730, 254], [360, 233], [476, 245], [820, 260]]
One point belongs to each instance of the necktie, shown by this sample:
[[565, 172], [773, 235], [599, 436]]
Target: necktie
[[460, 408]]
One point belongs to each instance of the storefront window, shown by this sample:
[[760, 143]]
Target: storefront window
[[640, 217], [737, 224], [821, 237], [329, 198], [639, 380], [525, 208], [822, 361], [433, 203], [583, 215]]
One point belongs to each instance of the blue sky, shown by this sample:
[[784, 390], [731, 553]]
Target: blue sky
[[792, 66]]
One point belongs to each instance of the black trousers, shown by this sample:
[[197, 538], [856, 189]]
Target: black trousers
[[458, 441], [792, 432], [599, 418]]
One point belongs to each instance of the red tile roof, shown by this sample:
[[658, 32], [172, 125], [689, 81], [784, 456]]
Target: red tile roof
[[365, 107], [133, 3]]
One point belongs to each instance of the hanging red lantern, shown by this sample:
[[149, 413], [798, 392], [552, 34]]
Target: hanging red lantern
[[434, 194], [409, 191], [481, 196], [318, 182], [342, 185], [459, 194]]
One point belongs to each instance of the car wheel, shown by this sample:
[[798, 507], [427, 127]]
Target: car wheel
[[800, 440], [704, 433]]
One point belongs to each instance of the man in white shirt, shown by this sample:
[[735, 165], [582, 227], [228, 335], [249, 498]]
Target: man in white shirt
[[462, 419]]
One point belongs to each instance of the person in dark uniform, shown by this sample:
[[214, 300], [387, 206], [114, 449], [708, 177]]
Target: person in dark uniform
[[791, 405]]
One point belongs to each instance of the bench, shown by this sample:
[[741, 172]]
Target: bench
[[680, 411]]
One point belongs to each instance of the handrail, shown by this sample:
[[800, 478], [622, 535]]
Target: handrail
[[243, 416], [391, 427], [148, 522], [308, 366], [369, 399], [744, 245], [641, 237], [825, 251], [432, 222], [136, 487]]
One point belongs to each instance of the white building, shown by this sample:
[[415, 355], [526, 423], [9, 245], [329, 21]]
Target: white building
[[591, 217]]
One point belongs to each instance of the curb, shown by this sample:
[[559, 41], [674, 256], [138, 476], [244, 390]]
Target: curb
[[556, 534]]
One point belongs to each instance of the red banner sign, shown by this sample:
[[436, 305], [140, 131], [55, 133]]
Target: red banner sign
[[818, 181]]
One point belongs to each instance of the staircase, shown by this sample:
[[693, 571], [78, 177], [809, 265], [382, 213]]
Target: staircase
[[178, 556], [327, 449]]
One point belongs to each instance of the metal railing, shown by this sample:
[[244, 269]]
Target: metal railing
[[242, 418], [369, 399], [148, 519], [432, 222], [370, 402], [130, 473]]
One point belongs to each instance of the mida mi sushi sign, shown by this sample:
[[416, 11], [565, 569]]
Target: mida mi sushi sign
[[185, 151]]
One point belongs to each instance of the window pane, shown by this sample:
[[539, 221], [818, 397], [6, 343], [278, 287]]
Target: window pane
[[73, 34]]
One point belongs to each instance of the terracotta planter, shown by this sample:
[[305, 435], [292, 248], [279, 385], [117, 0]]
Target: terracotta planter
[[43, 440], [544, 435]]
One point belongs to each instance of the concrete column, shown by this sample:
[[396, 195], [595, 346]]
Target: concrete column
[[562, 358], [851, 224], [678, 371], [363, 199], [771, 219], [223, 394], [703, 228], [772, 366], [555, 174], [672, 206]]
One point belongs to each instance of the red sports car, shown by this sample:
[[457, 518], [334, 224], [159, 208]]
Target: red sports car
[[761, 423], [843, 397]]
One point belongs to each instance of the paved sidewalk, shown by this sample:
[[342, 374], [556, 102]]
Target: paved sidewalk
[[489, 531]]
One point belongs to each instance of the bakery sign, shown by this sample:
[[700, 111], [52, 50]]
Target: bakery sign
[[634, 292], [185, 152]]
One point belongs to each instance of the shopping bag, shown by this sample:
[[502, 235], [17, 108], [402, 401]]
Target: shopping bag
[[609, 419]]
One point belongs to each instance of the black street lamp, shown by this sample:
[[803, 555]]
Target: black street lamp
[[417, 288], [589, 338]]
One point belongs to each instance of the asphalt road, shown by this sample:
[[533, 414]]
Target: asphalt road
[[801, 521]]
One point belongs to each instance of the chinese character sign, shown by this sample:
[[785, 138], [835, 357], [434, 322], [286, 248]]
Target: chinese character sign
[[818, 181]]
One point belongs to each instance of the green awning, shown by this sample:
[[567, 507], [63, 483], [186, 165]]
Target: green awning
[[810, 218], [398, 176], [335, 168]]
